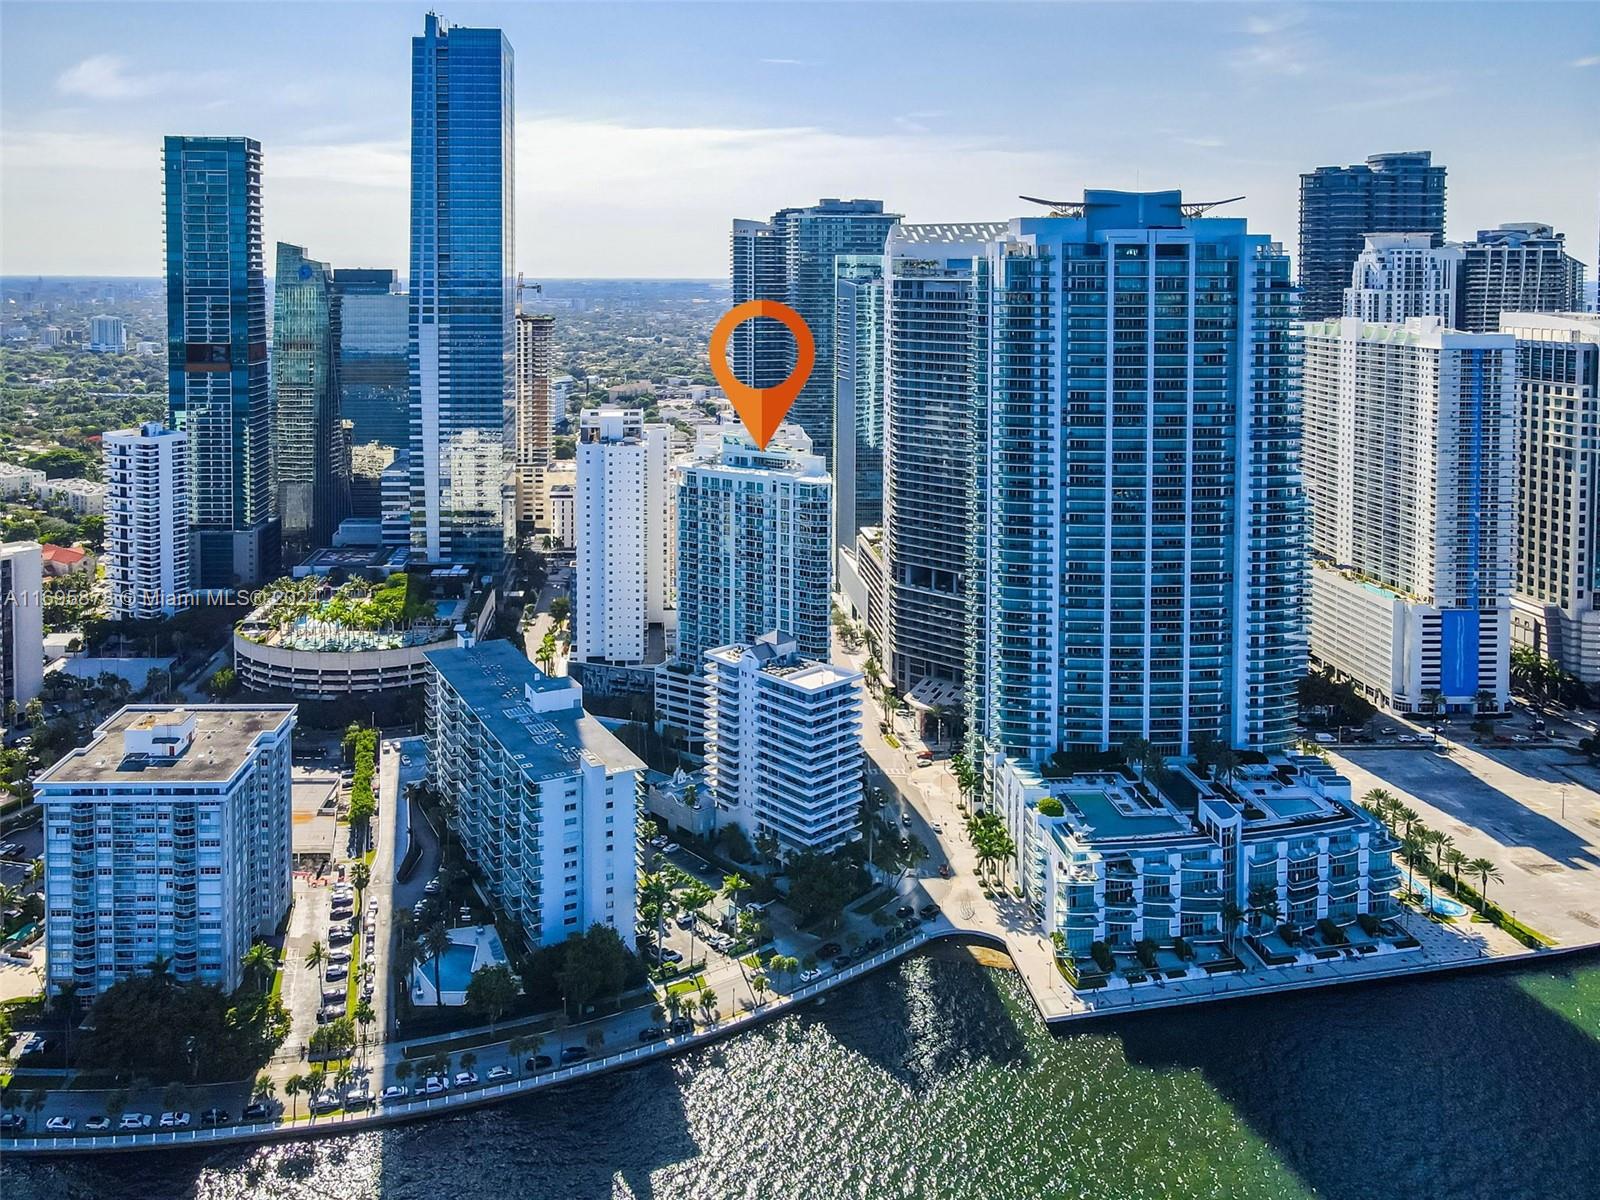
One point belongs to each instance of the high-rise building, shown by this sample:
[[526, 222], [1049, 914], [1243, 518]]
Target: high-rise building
[[462, 280], [1517, 268], [857, 395], [535, 417], [928, 446], [21, 622], [623, 539], [754, 555], [310, 454], [544, 797], [783, 737], [805, 241], [1410, 469], [1138, 548], [374, 391], [147, 521], [218, 389], [167, 836], [760, 352], [1556, 592], [1339, 206], [1403, 275], [106, 335], [394, 497]]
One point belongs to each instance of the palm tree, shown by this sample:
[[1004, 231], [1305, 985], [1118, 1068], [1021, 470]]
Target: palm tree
[[260, 964], [293, 1087], [468, 1061], [1485, 871], [759, 985], [732, 885], [1440, 841], [1377, 802], [360, 877], [708, 1005], [436, 941], [695, 897], [656, 891], [1232, 914], [35, 1103], [264, 1090], [317, 959], [1406, 817], [116, 1104], [1457, 862], [402, 1071], [161, 967], [315, 1078], [674, 1005], [365, 1018]]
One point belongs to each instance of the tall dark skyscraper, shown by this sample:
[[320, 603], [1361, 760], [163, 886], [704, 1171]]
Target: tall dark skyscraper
[[1339, 206], [463, 279], [218, 390], [374, 390], [790, 258], [310, 455]]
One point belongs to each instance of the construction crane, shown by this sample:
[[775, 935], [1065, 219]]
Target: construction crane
[[526, 287]]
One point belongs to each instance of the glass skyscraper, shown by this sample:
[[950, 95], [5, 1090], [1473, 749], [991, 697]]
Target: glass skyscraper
[[218, 390], [790, 258], [1138, 537], [374, 385], [312, 458], [462, 305], [1339, 206], [858, 394]]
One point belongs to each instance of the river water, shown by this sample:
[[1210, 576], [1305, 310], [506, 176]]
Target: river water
[[935, 1079]]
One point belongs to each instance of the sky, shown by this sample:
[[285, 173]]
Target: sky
[[643, 129]]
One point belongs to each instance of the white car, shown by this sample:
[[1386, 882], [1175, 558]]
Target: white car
[[498, 1073], [392, 1093], [135, 1121], [59, 1124], [670, 848], [466, 1078], [359, 1096], [808, 976], [97, 1124], [433, 1085], [174, 1120]]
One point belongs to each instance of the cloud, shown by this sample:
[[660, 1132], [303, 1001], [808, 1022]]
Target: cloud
[[788, 62], [1273, 48], [1205, 143], [1591, 60], [1421, 94], [110, 77]]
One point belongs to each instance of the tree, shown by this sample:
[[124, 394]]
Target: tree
[[403, 1071], [264, 1089], [491, 991], [1457, 862], [360, 878], [655, 902], [820, 886], [468, 1061], [260, 965], [596, 965], [708, 1005], [1139, 753], [1232, 914], [315, 1078], [35, 1103], [692, 899], [65, 1002], [365, 1018], [436, 940], [116, 1104], [175, 1098], [1439, 841], [759, 986], [547, 651], [222, 684], [317, 959], [1485, 871], [732, 885]]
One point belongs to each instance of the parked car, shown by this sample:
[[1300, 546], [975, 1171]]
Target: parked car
[[652, 1033], [213, 1117], [466, 1079], [829, 949], [337, 971], [574, 1054], [10, 1121], [539, 1062], [905, 910], [174, 1120], [431, 888], [684, 920], [671, 848], [841, 962], [359, 1096], [325, 1102], [813, 973], [256, 1112], [329, 1012], [135, 1121], [905, 819], [668, 954], [97, 1124], [928, 911], [392, 1093], [59, 1125], [681, 1026], [496, 1074], [433, 1085]]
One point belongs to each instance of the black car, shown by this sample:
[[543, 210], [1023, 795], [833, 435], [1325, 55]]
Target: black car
[[905, 910], [928, 912], [255, 1112], [539, 1062], [681, 1026], [841, 962], [829, 950], [873, 945], [12, 1121], [574, 1054], [213, 1117], [652, 1033]]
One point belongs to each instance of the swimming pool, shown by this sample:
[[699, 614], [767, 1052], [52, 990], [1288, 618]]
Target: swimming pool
[[455, 969], [1433, 902]]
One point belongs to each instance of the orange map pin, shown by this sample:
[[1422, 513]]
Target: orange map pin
[[762, 409]]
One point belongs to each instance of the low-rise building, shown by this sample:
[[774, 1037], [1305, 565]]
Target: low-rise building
[[1127, 860], [167, 836], [544, 797], [82, 497], [19, 481], [681, 802], [783, 743]]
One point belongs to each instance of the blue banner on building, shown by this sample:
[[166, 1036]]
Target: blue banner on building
[[1458, 652]]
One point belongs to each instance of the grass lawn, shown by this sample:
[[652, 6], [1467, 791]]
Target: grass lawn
[[684, 986]]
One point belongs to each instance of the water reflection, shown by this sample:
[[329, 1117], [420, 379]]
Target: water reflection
[[935, 1080]]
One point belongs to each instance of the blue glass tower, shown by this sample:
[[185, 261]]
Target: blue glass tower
[[218, 390], [857, 394], [462, 335], [1138, 537], [374, 380], [311, 457]]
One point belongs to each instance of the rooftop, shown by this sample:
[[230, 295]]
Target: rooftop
[[494, 678], [221, 743]]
